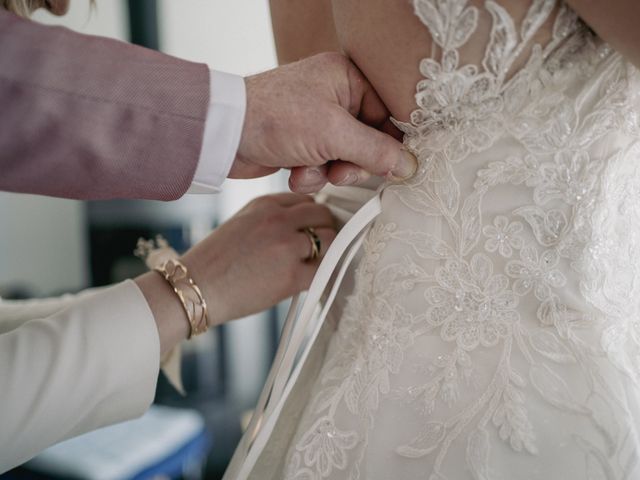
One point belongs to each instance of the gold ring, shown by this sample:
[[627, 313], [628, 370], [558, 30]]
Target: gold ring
[[316, 243]]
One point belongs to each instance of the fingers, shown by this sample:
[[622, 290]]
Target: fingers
[[310, 215], [368, 107], [308, 179], [305, 275], [390, 129], [368, 148], [290, 199], [305, 246], [365, 104], [345, 173], [308, 268]]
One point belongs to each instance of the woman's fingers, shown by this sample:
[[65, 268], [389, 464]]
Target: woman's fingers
[[309, 267], [305, 243], [310, 215], [288, 199]]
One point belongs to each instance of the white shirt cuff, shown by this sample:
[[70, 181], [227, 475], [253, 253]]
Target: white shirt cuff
[[222, 132]]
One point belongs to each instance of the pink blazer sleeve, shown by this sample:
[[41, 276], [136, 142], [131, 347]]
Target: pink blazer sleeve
[[93, 118]]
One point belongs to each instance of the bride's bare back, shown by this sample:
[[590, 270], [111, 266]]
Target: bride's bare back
[[385, 38]]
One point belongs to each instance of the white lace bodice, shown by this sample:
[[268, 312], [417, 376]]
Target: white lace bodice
[[494, 330]]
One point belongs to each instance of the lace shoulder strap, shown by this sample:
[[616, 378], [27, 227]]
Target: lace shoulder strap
[[449, 87]]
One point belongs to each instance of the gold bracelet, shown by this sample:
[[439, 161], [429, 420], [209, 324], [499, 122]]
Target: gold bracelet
[[159, 256], [190, 296]]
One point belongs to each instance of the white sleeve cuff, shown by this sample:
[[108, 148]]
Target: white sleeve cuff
[[222, 132]]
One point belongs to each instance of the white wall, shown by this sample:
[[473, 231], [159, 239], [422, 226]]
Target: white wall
[[230, 35], [42, 243]]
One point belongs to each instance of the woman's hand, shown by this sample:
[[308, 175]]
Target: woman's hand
[[250, 263], [259, 257]]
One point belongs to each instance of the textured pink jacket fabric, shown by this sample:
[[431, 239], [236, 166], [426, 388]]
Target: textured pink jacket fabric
[[93, 118]]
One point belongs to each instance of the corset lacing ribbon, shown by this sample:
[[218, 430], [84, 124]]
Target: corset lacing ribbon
[[301, 328]]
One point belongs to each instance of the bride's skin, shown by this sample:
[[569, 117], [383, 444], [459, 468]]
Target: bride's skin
[[616, 21], [386, 39]]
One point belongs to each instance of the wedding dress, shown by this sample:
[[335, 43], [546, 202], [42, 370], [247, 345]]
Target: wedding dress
[[492, 326]]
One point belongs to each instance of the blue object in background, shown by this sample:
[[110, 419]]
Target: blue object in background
[[164, 443]]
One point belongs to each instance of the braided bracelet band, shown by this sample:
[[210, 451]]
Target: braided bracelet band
[[176, 274]]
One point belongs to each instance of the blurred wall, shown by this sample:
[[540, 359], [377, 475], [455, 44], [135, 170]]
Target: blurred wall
[[42, 244]]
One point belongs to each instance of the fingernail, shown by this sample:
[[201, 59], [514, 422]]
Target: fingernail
[[311, 180], [349, 179], [312, 175], [405, 168]]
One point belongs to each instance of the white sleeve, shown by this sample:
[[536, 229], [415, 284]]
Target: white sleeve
[[91, 364], [222, 132], [14, 313]]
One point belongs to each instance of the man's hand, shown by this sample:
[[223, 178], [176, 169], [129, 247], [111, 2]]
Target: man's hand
[[315, 111]]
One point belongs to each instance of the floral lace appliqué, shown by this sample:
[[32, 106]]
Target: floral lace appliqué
[[492, 330]]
